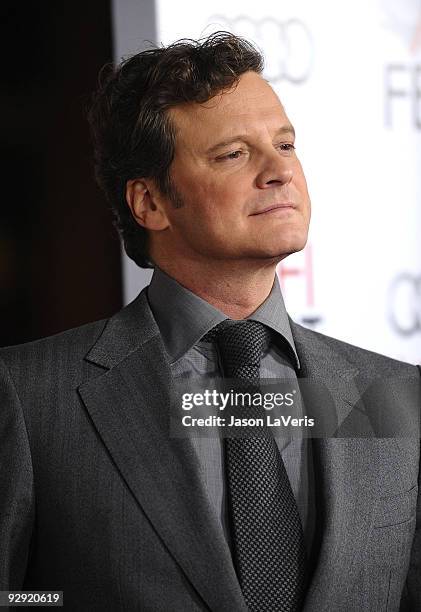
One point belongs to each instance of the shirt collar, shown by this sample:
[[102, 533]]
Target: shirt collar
[[184, 318], [273, 314]]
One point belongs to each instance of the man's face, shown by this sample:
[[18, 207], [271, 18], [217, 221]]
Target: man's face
[[241, 185]]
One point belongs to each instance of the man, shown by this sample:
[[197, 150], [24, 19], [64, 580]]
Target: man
[[196, 154]]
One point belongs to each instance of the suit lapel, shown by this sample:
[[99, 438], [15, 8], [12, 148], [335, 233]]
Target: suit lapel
[[329, 380], [130, 407]]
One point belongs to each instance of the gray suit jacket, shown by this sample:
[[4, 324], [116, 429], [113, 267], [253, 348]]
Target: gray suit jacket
[[98, 501]]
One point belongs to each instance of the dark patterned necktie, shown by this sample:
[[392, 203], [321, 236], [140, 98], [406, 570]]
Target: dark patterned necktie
[[267, 534]]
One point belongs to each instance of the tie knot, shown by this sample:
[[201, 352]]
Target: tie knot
[[241, 345]]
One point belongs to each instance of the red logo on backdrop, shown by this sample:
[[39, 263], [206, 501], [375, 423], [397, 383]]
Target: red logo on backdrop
[[297, 279], [404, 19], [416, 39]]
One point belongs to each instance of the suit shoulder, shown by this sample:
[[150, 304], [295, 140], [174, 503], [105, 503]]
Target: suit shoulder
[[76, 341], [373, 363]]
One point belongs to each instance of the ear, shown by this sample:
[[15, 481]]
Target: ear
[[146, 205]]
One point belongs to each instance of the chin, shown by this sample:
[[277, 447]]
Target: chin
[[285, 247]]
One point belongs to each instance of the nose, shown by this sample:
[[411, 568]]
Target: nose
[[275, 170]]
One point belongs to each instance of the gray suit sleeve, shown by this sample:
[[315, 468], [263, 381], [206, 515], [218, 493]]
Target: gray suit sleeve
[[16, 487], [411, 596]]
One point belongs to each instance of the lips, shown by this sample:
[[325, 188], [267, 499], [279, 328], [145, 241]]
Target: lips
[[286, 205]]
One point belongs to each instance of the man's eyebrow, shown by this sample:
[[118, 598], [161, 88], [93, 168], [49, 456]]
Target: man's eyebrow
[[285, 129]]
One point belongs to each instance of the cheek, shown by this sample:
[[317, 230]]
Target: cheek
[[300, 179], [211, 202], [215, 203]]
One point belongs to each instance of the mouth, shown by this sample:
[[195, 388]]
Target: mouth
[[274, 207]]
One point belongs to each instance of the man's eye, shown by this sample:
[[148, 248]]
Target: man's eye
[[287, 146], [232, 155]]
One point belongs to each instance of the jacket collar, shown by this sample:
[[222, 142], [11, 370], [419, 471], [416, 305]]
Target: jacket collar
[[128, 330]]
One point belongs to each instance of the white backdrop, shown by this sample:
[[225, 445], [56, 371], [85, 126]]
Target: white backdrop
[[349, 76]]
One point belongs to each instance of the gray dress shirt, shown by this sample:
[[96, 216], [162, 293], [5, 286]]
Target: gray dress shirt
[[183, 319]]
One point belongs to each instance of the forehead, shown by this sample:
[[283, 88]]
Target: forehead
[[250, 106]]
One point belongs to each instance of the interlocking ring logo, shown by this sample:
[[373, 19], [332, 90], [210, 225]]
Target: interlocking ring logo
[[287, 45], [405, 304]]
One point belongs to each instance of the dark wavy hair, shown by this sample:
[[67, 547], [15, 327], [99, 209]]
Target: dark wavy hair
[[132, 134]]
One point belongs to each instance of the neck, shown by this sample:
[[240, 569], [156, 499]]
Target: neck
[[235, 289]]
